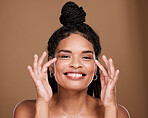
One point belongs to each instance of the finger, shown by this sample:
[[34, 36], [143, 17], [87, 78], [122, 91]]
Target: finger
[[101, 68], [106, 63], [102, 79], [35, 64], [46, 65], [115, 77], [112, 68], [46, 76], [41, 61], [32, 73]]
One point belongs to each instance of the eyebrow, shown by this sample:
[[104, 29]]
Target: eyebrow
[[68, 51], [88, 51]]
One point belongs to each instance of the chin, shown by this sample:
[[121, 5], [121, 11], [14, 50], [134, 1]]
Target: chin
[[74, 86], [77, 87]]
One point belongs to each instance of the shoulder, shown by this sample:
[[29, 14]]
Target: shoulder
[[122, 112], [25, 109]]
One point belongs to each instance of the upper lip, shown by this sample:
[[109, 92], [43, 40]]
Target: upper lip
[[75, 72]]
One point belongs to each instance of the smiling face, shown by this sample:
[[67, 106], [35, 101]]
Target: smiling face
[[75, 67]]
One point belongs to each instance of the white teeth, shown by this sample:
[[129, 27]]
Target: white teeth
[[74, 75]]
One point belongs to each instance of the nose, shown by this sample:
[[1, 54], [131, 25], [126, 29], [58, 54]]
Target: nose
[[75, 63]]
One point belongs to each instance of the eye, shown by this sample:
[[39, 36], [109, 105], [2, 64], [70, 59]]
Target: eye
[[87, 57], [65, 56]]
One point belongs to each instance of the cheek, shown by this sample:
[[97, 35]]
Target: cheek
[[90, 67], [59, 67]]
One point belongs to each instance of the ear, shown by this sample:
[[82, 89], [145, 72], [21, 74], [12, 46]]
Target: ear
[[51, 67]]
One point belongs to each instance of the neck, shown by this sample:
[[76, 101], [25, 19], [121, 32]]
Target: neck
[[72, 102]]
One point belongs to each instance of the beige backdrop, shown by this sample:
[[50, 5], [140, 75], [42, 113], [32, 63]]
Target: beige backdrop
[[25, 26]]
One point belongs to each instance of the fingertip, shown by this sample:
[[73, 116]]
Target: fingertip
[[117, 71], [35, 56], [55, 59], [96, 60], [44, 53], [104, 57], [28, 67], [110, 60]]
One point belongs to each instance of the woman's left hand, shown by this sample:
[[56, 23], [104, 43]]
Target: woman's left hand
[[108, 78]]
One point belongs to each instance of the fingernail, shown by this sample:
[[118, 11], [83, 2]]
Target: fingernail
[[104, 56], [94, 56], [35, 55], [44, 52], [118, 71], [54, 58], [28, 67], [110, 60], [96, 60]]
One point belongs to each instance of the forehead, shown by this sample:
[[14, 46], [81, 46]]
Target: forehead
[[75, 43]]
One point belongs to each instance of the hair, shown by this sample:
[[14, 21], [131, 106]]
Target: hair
[[72, 18]]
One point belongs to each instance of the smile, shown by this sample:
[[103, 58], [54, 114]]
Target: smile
[[74, 76]]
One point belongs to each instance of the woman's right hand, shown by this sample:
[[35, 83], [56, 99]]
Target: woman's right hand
[[40, 77]]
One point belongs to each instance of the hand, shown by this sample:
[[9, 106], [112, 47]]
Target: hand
[[108, 78], [40, 78]]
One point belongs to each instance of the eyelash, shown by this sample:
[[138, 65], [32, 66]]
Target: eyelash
[[87, 57], [65, 56]]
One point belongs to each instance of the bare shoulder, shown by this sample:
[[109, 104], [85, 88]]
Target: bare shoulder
[[25, 109], [123, 112]]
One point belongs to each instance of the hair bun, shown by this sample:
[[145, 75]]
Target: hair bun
[[71, 13]]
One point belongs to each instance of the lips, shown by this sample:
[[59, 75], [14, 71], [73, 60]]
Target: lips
[[75, 75]]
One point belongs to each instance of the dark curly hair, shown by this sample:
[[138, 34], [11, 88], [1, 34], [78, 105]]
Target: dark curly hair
[[72, 18]]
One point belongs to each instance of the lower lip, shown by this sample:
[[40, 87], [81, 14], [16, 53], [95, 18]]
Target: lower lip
[[75, 78]]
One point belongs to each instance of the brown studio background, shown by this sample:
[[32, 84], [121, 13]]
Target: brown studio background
[[25, 26]]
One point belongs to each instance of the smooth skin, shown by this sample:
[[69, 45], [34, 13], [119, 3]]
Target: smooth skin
[[72, 100]]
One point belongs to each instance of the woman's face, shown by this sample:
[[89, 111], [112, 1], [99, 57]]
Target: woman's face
[[75, 67]]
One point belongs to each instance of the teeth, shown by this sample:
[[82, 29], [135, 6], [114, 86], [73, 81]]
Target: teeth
[[74, 75]]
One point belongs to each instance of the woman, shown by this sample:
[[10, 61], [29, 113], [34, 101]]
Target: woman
[[74, 75]]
